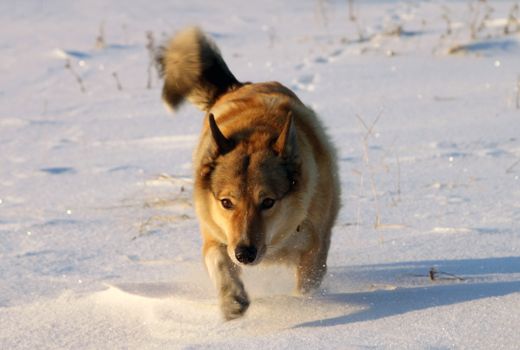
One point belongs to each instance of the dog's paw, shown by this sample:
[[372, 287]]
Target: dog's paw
[[307, 290], [308, 286], [234, 305]]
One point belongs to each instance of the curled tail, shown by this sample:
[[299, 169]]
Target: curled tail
[[193, 69]]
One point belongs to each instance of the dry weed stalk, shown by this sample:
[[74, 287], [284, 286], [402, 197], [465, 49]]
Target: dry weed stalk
[[510, 169], [351, 14], [76, 76], [398, 185], [513, 22], [446, 17], [272, 36], [321, 13], [369, 132], [478, 22], [100, 40], [436, 275], [118, 82], [150, 46]]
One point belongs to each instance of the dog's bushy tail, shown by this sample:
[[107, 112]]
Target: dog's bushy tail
[[193, 69]]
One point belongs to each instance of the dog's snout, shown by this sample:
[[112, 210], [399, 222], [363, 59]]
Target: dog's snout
[[245, 254]]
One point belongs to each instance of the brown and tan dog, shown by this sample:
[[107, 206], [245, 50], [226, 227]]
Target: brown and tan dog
[[266, 182]]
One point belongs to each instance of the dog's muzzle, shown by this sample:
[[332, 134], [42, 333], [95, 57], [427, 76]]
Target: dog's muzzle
[[245, 254]]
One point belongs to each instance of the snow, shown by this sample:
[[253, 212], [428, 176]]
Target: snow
[[99, 244]]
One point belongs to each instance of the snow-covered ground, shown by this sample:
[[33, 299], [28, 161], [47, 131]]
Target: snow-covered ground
[[99, 245]]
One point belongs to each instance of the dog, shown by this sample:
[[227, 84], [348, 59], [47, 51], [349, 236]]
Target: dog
[[266, 185]]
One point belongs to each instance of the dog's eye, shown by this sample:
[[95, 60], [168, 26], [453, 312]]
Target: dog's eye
[[226, 203], [267, 203]]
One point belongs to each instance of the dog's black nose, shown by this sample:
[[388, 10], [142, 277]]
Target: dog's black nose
[[245, 254]]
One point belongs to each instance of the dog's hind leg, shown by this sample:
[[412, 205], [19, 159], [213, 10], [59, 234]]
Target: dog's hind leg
[[225, 275]]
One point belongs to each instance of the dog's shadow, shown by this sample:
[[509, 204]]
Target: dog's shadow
[[385, 303]]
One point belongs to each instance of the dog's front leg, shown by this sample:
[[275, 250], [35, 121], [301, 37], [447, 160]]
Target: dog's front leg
[[312, 266], [225, 275]]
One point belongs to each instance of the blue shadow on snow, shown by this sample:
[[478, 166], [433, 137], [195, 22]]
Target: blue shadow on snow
[[387, 303]]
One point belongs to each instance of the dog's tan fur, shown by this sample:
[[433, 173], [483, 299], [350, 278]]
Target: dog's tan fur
[[260, 146]]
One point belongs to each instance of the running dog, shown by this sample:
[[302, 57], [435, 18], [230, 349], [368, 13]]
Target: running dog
[[266, 186]]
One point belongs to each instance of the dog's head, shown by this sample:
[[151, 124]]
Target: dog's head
[[252, 178]]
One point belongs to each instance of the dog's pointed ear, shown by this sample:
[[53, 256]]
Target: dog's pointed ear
[[224, 145], [285, 144]]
